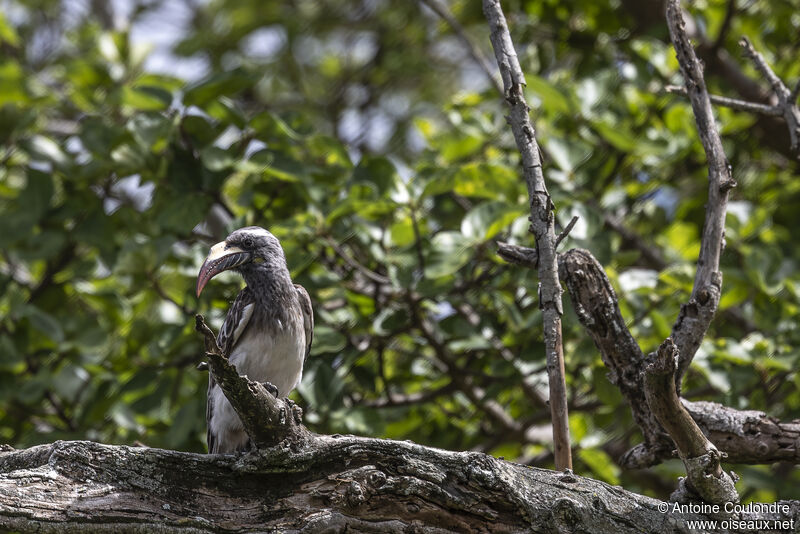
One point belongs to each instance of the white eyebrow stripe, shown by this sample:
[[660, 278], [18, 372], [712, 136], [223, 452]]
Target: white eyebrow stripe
[[255, 231]]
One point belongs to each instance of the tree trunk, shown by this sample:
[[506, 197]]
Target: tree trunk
[[328, 484]]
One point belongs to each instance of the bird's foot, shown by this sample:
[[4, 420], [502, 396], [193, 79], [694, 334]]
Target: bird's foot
[[297, 411], [270, 388]]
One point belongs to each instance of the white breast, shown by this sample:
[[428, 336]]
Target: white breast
[[273, 355]]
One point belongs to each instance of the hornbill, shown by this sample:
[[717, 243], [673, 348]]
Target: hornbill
[[267, 332]]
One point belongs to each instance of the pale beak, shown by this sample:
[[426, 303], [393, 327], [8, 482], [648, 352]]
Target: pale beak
[[220, 258]]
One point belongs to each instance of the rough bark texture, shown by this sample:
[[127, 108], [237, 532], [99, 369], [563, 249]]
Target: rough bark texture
[[745, 436], [331, 484], [542, 225], [597, 308]]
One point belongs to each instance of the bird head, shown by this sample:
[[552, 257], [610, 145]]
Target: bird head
[[245, 250]]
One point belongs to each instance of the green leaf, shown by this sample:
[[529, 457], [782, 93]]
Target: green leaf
[[567, 154], [326, 339], [451, 251], [553, 98], [615, 135], [151, 130], [222, 84], [7, 32], [145, 99], [601, 465], [377, 172], [217, 159], [42, 147], [478, 180], [455, 148], [201, 130], [487, 219], [44, 323]]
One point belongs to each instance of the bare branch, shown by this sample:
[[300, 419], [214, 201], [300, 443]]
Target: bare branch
[[763, 67], [472, 47], [700, 457], [744, 436], [525, 256], [696, 315], [786, 101], [666, 406], [566, 231], [730, 11], [733, 103], [597, 307], [330, 484], [542, 223], [795, 92], [353, 263]]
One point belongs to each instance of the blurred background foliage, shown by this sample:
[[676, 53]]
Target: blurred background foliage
[[364, 135]]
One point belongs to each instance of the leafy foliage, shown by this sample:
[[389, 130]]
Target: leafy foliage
[[370, 144]]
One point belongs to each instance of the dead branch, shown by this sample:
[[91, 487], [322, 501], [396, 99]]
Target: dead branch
[[786, 99], [542, 223], [695, 316], [733, 103], [331, 484], [472, 47], [746, 437], [705, 477]]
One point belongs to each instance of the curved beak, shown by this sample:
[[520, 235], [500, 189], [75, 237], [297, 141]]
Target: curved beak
[[221, 257]]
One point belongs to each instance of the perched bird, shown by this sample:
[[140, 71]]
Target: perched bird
[[267, 332]]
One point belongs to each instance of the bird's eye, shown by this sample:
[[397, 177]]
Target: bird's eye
[[247, 242]]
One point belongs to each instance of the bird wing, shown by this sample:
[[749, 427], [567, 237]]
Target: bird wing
[[232, 329], [236, 321], [308, 316]]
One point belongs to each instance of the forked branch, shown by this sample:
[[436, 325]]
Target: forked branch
[[695, 316]]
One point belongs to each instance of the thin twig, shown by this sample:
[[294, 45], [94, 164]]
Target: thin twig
[[650, 254], [465, 384], [786, 104], [410, 399], [474, 50], [528, 386], [566, 231], [733, 103], [349, 260], [542, 223], [795, 92], [725, 27]]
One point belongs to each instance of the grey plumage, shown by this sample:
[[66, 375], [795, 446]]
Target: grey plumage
[[267, 332]]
